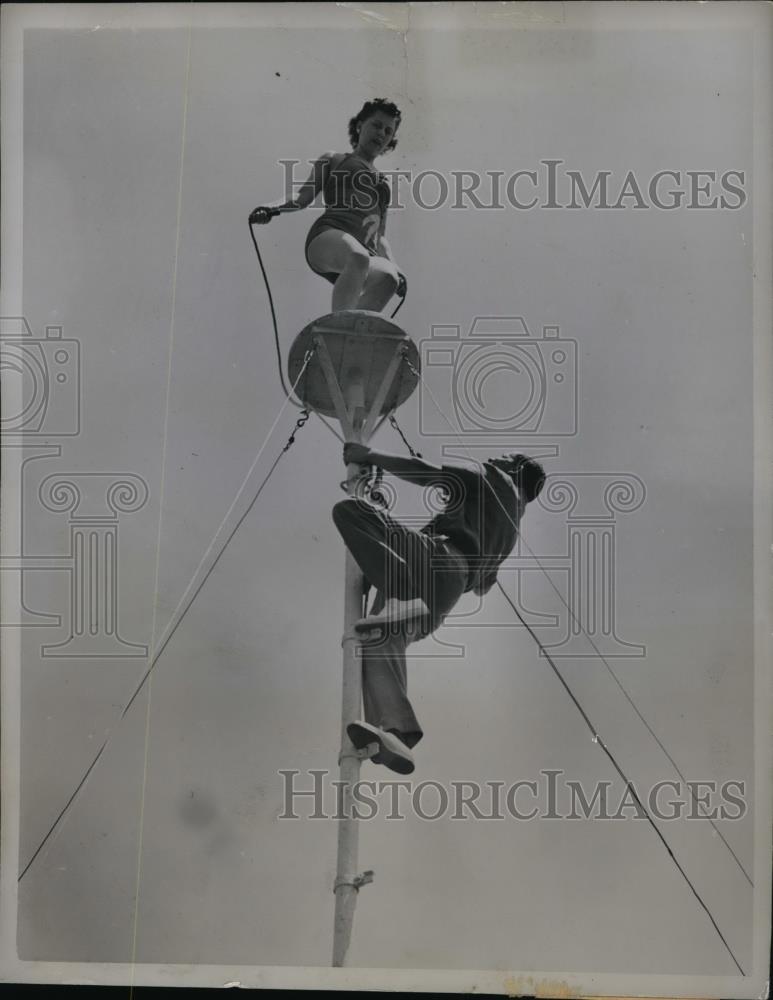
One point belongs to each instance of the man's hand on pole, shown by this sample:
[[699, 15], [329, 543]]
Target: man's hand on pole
[[356, 453]]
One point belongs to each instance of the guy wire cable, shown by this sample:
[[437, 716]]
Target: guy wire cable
[[611, 672], [596, 737], [180, 615], [167, 637]]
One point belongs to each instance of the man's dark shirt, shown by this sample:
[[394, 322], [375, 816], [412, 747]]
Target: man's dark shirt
[[480, 519]]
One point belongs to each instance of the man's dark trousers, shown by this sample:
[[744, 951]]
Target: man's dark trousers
[[404, 564]]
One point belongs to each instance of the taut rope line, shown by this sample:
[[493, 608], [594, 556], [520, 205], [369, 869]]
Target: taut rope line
[[189, 596]]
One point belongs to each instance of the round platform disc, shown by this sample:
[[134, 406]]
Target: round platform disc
[[361, 345]]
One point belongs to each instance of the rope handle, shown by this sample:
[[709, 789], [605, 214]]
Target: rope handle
[[263, 214]]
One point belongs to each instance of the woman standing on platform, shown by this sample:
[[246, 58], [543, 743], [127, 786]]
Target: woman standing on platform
[[346, 244]]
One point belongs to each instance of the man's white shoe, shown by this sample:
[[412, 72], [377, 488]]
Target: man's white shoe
[[393, 753], [395, 614]]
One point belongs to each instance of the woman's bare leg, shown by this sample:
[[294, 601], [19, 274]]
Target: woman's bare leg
[[380, 284], [338, 252]]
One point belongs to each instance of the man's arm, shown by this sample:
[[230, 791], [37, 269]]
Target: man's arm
[[412, 470]]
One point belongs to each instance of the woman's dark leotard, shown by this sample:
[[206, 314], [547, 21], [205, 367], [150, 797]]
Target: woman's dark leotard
[[356, 201]]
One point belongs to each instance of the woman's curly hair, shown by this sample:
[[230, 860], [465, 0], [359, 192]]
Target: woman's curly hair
[[370, 108]]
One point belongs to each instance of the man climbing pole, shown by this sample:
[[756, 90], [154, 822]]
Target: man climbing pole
[[420, 575]]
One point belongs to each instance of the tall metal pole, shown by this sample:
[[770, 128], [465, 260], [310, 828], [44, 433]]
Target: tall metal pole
[[348, 880]]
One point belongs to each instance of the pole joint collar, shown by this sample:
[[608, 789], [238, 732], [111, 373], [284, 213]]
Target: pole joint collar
[[365, 753], [355, 882]]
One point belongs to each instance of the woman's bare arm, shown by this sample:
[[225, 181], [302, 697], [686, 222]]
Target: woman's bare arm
[[310, 188]]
